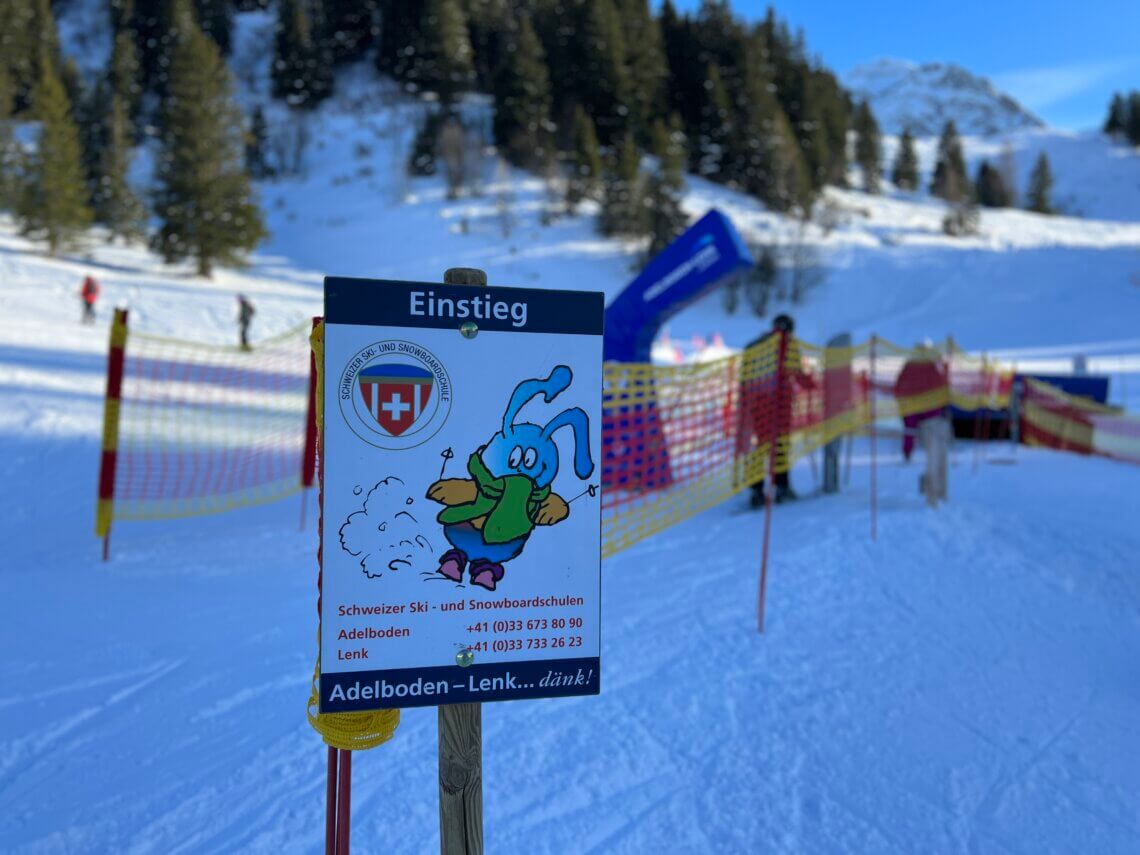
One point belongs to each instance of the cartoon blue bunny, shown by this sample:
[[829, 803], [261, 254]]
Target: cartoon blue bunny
[[490, 515]]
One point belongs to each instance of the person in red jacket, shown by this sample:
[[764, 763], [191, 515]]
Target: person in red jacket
[[923, 379], [89, 293]]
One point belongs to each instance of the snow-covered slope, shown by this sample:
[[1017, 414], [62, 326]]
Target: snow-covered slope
[[962, 684], [923, 97]]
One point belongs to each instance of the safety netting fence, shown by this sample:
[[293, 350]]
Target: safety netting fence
[[681, 438], [1054, 419], [195, 429]]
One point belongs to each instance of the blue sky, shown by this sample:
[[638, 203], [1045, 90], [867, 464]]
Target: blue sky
[[1062, 60]]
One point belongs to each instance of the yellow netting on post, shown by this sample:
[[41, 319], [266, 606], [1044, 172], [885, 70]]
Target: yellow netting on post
[[353, 731]]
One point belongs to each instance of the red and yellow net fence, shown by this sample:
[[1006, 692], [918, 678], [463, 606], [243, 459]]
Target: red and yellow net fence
[[1055, 419], [679, 439], [195, 429]]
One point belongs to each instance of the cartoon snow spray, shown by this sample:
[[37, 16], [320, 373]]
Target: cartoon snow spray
[[489, 517]]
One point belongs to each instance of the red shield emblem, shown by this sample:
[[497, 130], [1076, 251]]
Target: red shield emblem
[[396, 395]]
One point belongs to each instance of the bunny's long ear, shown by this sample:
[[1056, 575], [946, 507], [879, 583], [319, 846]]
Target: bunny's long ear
[[579, 422], [549, 388]]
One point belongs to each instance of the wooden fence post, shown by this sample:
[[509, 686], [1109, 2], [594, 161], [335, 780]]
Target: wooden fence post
[[461, 730]]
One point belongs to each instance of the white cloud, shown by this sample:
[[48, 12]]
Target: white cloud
[[1041, 88]]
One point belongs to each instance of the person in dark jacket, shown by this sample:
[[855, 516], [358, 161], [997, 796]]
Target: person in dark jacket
[[245, 316], [89, 293], [760, 403]]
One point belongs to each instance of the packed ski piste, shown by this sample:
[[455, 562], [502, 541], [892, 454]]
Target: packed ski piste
[[427, 429]]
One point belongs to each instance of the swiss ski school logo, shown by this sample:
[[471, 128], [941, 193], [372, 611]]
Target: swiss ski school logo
[[395, 394]]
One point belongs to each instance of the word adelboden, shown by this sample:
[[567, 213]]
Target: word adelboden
[[480, 308], [380, 689]]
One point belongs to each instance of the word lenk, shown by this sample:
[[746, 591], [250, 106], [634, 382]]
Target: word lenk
[[490, 516]]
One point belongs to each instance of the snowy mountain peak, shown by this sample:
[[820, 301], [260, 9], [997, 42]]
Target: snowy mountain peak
[[922, 97]]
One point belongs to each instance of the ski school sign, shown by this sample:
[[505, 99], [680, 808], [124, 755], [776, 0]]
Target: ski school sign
[[461, 530]]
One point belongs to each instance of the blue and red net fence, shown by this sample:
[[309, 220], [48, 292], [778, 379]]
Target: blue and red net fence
[[195, 429]]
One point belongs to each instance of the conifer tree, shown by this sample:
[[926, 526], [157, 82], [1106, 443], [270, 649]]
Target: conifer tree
[[399, 28], [216, 18], [666, 186], [1117, 121], [586, 161], [1040, 193], [204, 200], [714, 128], [949, 181], [645, 64], [622, 212], [443, 62], [28, 41], [989, 187], [123, 76], [54, 204], [9, 152], [904, 175], [762, 156], [602, 82], [153, 23], [256, 162], [868, 147], [1132, 129], [522, 100], [116, 205], [351, 27], [301, 72]]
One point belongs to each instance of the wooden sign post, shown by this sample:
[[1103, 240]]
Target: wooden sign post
[[461, 730]]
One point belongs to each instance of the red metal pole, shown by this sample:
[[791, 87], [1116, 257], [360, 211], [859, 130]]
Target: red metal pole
[[874, 448], [309, 453], [774, 442], [330, 805], [343, 802]]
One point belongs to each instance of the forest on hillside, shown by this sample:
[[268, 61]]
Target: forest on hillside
[[581, 91]]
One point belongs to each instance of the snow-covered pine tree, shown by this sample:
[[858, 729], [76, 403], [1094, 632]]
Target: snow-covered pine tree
[[868, 147], [53, 199], [904, 175], [204, 200]]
